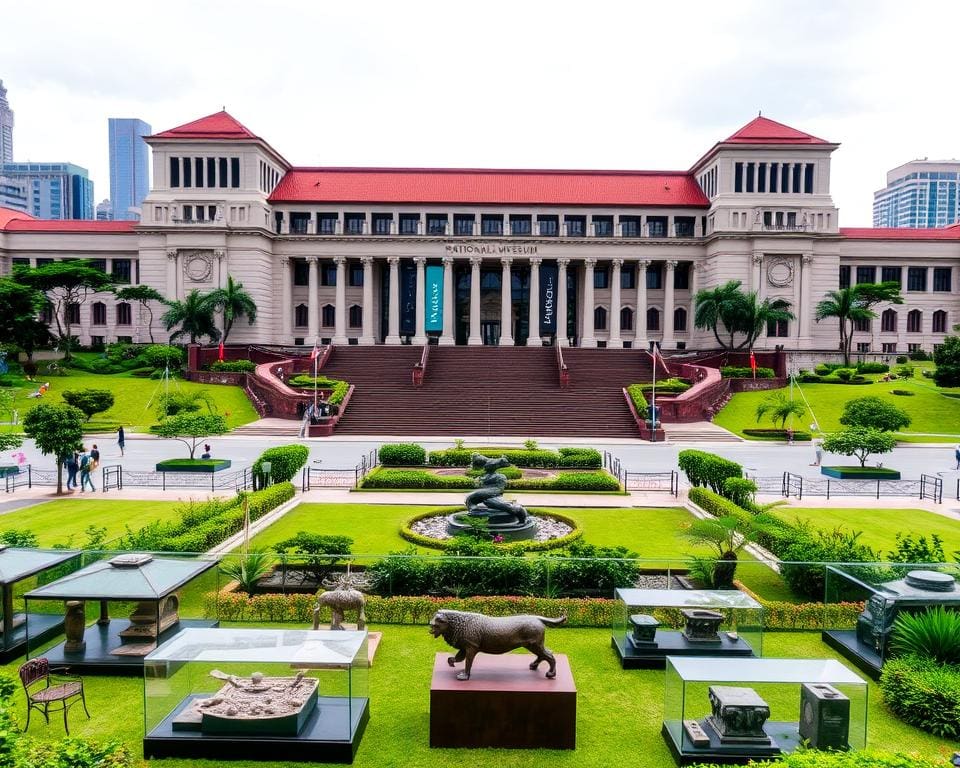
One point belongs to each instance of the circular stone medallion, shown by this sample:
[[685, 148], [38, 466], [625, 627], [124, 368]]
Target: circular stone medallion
[[932, 581]]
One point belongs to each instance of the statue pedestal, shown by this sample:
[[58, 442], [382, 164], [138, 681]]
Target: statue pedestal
[[504, 704]]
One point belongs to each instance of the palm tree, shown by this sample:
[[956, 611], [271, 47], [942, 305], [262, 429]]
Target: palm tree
[[235, 303], [753, 316], [720, 306], [853, 304], [194, 315], [727, 536], [144, 294], [779, 407]]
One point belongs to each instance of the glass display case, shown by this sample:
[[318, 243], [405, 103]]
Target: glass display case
[[655, 623], [270, 694], [736, 710], [885, 590]]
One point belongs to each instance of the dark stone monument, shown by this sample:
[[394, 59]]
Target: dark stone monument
[[644, 631], [702, 625], [824, 716], [501, 517], [737, 715]]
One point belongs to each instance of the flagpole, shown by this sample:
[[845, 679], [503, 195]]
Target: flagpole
[[653, 398], [315, 376]]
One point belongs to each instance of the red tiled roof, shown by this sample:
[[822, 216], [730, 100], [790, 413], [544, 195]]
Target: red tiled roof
[[762, 130], [10, 214], [219, 125], [900, 233], [488, 187], [68, 225]]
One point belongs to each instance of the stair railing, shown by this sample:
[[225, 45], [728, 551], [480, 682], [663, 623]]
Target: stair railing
[[563, 373], [420, 369], [324, 356]]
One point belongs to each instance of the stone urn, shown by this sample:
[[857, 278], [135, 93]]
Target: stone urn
[[74, 625]]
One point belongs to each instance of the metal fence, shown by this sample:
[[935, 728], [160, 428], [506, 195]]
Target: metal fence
[[791, 484], [323, 477], [116, 477], [665, 482]]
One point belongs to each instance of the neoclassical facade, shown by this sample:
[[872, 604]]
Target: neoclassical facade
[[498, 257]]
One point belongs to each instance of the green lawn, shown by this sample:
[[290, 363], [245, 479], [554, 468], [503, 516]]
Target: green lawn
[[619, 713], [65, 520], [135, 398], [880, 526], [931, 411]]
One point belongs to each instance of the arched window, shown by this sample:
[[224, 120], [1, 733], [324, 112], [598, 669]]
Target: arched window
[[356, 316], [680, 319], [940, 321], [626, 319], [98, 313], [653, 319], [124, 315], [301, 317], [888, 321], [328, 316], [600, 319], [914, 321]]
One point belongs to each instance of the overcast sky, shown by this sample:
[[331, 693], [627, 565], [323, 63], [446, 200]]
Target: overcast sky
[[550, 84]]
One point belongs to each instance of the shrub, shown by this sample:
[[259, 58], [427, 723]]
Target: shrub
[[402, 455], [14, 537], [740, 491], [933, 634], [812, 758], [317, 551], [233, 366], [90, 401], [415, 478], [810, 378], [420, 478], [901, 359], [672, 385], [902, 392], [947, 359], [776, 434], [910, 550], [716, 505], [568, 481], [580, 458], [924, 694], [635, 391], [844, 374], [919, 354], [175, 403], [905, 371], [803, 551], [248, 569], [511, 472], [285, 462], [584, 458], [872, 367], [873, 412], [160, 356], [746, 372], [705, 469]]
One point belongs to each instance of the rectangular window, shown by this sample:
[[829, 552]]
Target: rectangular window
[[198, 167], [328, 273], [124, 314], [549, 226], [463, 224], [521, 225], [891, 275], [866, 275], [778, 329], [655, 277], [99, 313], [797, 170], [889, 347], [683, 226], [222, 164], [738, 177], [409, 223], [301, 273], [235, 172], [916, 278], [326, 223], [750, 171], [174, 171], [98, 264], [862, 325], [941, 278], [188, 213], [436, 223], [601, 276], [298, 222], [121, 270], [211, 171], [354, 223], [603, 226], [187, 172], [844, 277], [576, 226], [381, 223], [73, 313], [656, 226], [630, 226], [356, 275], [628, 276], [681, 277], [491, 225], [915, 347], [774, 177], [761, 177], [808, 178], [863, 346]]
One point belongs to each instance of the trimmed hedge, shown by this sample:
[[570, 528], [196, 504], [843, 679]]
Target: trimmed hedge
[[673, 385], [421, 478], [871, 367], [746, 372], [924, 694], [233, 366], [579, 458], [635, 391], [706, 469], [338, 388], [716, 505], [285, 462], [777, 434], [402, 455], [407, 533]]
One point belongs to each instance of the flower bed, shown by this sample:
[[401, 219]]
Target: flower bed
[[413, 537]]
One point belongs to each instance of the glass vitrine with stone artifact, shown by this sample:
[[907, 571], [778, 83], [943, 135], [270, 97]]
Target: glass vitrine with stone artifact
[[736, 710], [655, 623], [267, 694]]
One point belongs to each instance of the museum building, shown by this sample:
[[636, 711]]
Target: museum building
[[497, 257]]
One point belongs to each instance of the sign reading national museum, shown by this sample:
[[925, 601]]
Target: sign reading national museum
[[490, 249]]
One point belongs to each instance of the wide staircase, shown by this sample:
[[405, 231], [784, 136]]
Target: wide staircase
[[479, 391]]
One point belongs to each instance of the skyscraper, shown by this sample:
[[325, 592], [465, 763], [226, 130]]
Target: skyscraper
[[54, 190], [6, 127], [919, 194], [129, 166]]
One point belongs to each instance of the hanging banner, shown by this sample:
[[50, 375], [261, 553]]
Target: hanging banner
[[408, 299], [433, 298], [548, 298]]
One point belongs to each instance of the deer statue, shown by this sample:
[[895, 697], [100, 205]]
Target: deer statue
[[343, 594]]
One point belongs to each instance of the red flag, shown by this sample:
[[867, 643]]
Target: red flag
[[315, 351], [753, 364], [220, 352]]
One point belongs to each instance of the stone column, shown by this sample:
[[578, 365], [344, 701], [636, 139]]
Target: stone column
[[806, 306], [286, 301], [475, 339], [419, 335], [448, 334], [367, 334], [668, 277], [533, 337], [506, 303], [220, 256], [588, 340], [615, 300], [393, 312], [340, 313], [562, 339], [695, 268], [313, 300], [640, 318], [755, 272], [172, 274]]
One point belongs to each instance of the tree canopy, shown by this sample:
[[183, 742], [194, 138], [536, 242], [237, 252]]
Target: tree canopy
[[738, 312], [19, 306], [876, 413], [946, 356], [143, 294], [192, 428], [194, 316], [235, 303], [57, 430], [853, 304], [859, 442], [779, 407], [90, 401]]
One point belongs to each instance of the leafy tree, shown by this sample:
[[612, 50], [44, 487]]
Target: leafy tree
[[31, 335], [719, 306], [161, 356], [855, 303], [192, 428], [19, 306], [174, 403], [876, 413], [779, 407], [727, 535], [859, 442], [143, 294], [754, 315], [90, 401], [57, 430], [947, 359], [66, 283], [235, 303], [194, 315]]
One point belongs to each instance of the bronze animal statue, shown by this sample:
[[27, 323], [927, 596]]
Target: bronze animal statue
[[343, 595], [473, 633], [487, 500]]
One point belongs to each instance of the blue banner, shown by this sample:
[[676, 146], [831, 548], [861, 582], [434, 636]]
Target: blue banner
[[548, 298], [433, 297], [408, 299]]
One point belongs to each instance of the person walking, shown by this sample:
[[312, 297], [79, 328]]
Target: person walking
[[95, 455], [86, 466], [121, 439], [73, 466], [956, 455], [818, 452]]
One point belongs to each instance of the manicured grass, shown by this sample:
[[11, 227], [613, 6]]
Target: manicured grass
[[134, 398], [192, 465], [619, 713], [856, 472], [65, 520], [931, 412], [880, 526]]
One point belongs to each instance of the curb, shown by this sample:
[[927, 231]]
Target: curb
[[255, 527]]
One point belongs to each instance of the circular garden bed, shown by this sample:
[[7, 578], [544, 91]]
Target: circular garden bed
[[429, 529]]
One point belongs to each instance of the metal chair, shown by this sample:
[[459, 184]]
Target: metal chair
[[46, 687]]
